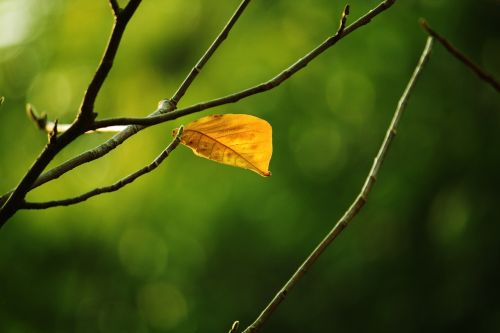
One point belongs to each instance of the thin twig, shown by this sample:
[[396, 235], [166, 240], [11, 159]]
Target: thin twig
[[356, 206], [483, 75], [115, 7], [208, 54], [40, 120], [114, 187], [42, 123], [234, 327], [12, 200], [87, 107], [192, 74], [163, 107], [88, 156], [270, 84], [64, 127]]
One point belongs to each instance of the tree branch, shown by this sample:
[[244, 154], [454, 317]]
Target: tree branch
[[486, 77], [208, 54], [114, 187], [355, 207], [121, 21], [12, 200], [163, 107], [115, 7], [234, 327], [270, 84], [42, 123], [35, 179]]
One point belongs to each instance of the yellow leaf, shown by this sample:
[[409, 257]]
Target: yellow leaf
[[239, 140]]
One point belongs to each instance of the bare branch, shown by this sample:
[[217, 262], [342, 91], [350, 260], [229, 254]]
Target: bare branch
[[45, 125], [486, 77], [87, 156], [234, 327], [163, 107], [115, 7], [64, 127], [356, 206], [11, 201], [208, 54], [114, 187], [87, 107], [196, 69], [34, 179], [40, 120], [270, 84]]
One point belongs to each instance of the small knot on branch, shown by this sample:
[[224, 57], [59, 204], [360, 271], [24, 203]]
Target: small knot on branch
[[165, 105], [40, 120]]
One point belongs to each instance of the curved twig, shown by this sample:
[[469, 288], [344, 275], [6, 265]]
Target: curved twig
[[163, 107], [12, 200], [42, 123], [121, 20], [208, 54], [118, 139], [481, 73], [34, 178], [114, 187], [234, 327], [355, 207], [268, 85]]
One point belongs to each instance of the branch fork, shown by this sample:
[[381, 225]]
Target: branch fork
[[85, 121]]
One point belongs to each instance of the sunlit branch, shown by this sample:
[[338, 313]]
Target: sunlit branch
[[34, 179], [12, 200], [355, 207], [481, 73], [115, 7], [42, 123], [121, 21], [234, 327], [208, 54], [163, 107], [260, 88], [114, 187]]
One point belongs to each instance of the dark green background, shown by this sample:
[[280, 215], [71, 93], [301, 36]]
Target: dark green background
[[195, 245]]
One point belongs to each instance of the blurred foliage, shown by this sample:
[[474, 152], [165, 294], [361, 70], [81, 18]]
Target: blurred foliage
[[196, 245]]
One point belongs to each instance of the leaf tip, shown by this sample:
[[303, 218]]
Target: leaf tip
[[266, 174]]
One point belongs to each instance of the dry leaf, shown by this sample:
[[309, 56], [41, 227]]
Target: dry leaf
[[239, 140]]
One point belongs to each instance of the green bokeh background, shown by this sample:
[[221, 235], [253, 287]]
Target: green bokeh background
[[195, 245]]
